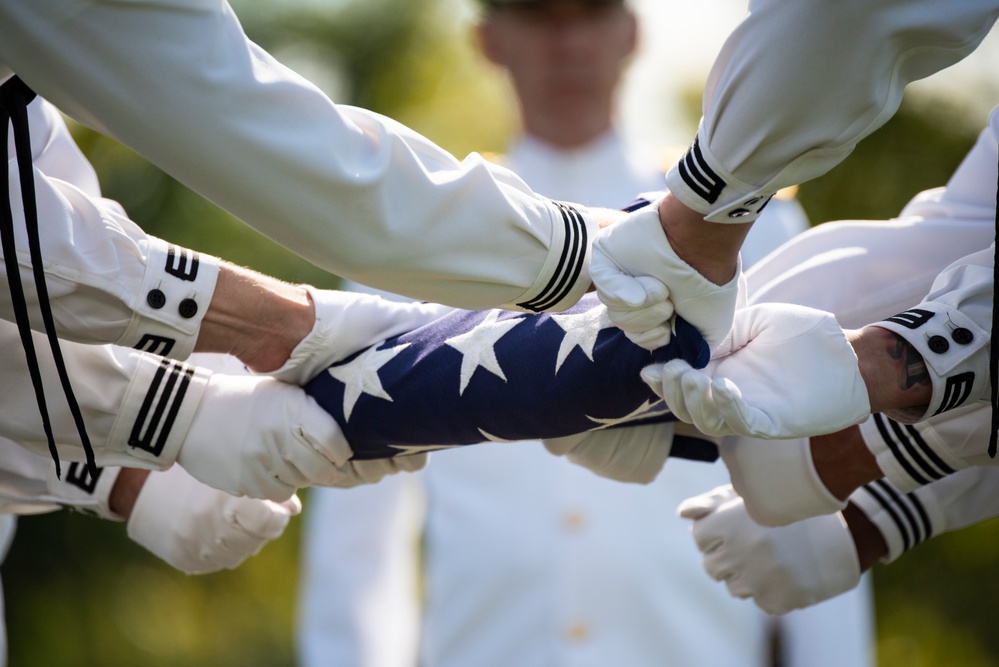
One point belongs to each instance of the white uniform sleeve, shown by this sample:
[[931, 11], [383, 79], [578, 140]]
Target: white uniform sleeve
[[798, 84], [951, 331], [351, 191], [28, 485], [909, 519], [137, 406], [108, 281]]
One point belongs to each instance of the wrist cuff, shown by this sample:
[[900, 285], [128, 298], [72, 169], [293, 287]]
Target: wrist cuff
[[949, 343], [565, 276], [176, 291], [909, 457], [155, 413], [83, 493], [903, 520], [702, 184]]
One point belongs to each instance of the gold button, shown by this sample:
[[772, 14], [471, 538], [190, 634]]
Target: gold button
[[577, 632], [574, 521]]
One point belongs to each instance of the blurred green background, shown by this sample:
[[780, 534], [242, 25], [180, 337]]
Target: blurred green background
[[79, 593]]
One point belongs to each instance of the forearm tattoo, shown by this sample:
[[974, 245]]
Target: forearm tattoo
[[912, 370]]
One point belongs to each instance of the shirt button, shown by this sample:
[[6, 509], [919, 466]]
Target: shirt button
[[962, 336], [189, 308], [156, 299], [938, 344]]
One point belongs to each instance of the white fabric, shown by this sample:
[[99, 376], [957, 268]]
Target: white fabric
[[777, 480], [781, 569], [347, 323], [785, 371], [906, 520], [137, 407], [198, 529], [529, 561], [99, 265], [264, 438], [635, 454], [642, 281], [796, 86], [349, 190]]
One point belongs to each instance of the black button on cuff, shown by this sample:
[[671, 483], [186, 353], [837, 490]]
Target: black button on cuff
[[189, 308], [962, 336], [938, 344], [156, 299]]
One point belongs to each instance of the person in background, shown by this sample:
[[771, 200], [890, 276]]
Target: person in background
[[526, 560]]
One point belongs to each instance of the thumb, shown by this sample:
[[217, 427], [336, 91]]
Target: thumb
[[700, 506]]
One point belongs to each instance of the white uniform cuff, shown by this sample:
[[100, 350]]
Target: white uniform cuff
[[565, 276], [176, 289], [83, 493], [155, 414], [909, 457], [701, 183], [902, 518], [949, 343]]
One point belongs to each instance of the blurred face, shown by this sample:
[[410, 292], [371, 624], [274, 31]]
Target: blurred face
[[565, 59]]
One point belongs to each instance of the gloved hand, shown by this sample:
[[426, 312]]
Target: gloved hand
[[642, 281], [784, 371], [782, 569], [630, 454], [347, 322], [263, 438], [198, 529]]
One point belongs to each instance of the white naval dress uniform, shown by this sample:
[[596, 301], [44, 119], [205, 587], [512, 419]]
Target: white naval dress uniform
[[102, 273], [528, 561], [903, 258], [794, 88], [349, 190]]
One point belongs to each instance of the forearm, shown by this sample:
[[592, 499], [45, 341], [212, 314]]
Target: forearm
[[894, 372], [711, 248], [255, 318], [350, 191]]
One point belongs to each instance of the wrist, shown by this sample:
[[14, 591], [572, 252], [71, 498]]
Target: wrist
[[893, 371], [843, 462], [867, 539], [256, 318], [125, 491], [710, 248]]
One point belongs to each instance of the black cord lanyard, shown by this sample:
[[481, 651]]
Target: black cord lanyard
[[993, 345], [14, 99]]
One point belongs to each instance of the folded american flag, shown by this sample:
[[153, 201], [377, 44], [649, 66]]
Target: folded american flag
[[496, 375]]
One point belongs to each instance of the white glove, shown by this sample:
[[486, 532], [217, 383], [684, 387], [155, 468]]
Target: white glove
[[784, 371], [628, 454], [198, 529], [347, 322], [642, 282], [777, 480], [782, 569], [260, 437], [357, 473]]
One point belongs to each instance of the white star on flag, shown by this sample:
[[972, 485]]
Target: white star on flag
[[581, 331], [477, 345], [360, 376]]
